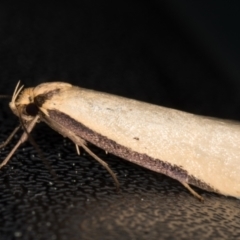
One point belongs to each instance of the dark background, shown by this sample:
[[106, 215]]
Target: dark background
[[180, 54]]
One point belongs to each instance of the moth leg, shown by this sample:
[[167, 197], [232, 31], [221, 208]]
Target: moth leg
[[4, 144], [82, 143], [195, 194], [103, 163], [23, 138], [77, 148]]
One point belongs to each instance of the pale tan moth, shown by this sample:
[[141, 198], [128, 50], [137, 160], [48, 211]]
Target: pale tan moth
[[195, 150]]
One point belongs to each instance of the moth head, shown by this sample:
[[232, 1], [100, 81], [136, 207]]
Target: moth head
[[22, 103]]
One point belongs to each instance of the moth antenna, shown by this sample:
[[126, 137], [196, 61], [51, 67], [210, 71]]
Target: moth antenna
[[5, 143], [16, 92], [23, 138], [14, 96], [5, 96], [103, 163], [195, 194]]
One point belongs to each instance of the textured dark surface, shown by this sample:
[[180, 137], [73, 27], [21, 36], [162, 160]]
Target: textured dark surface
[[142, 51]]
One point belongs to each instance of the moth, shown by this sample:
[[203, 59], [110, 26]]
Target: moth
[[195, 150]]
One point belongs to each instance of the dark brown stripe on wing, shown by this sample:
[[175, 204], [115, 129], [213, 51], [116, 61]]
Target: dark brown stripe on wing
[[111, 146]]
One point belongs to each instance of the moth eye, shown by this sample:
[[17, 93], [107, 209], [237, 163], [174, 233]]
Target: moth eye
[[31, 109]]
